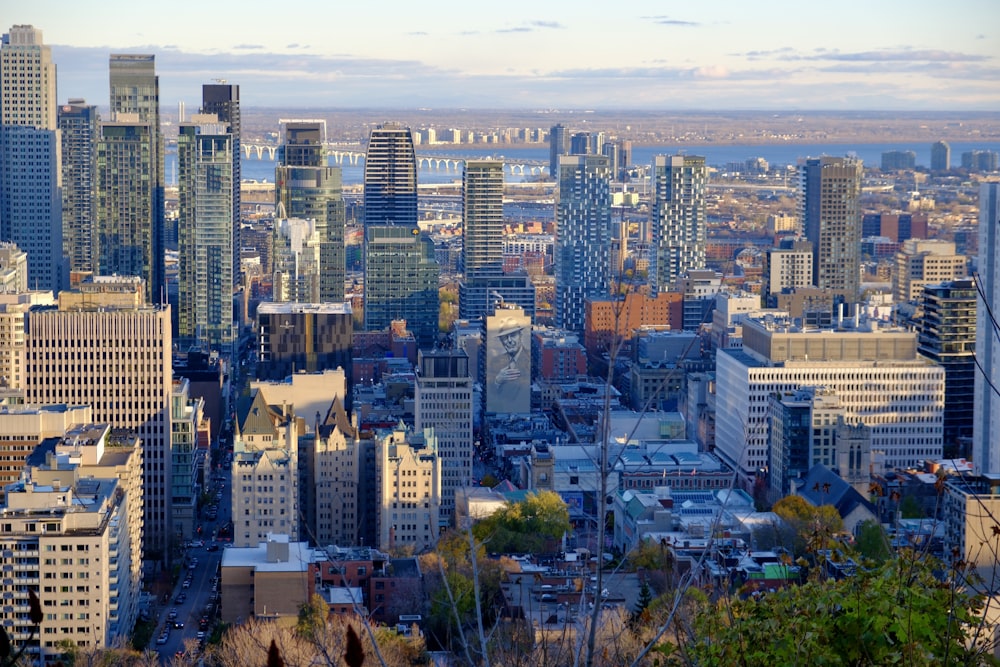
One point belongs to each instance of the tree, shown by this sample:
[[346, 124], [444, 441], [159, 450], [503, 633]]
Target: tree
[[897, 613], [872, 542], [815, 527], [528, 526]]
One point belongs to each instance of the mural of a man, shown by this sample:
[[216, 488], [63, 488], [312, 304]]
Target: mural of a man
[[511, 363]]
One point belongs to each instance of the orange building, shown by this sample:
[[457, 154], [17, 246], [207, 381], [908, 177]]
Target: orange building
[[606, 318]]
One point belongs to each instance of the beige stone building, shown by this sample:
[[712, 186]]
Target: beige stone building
[[71, 528], [409, 476], [923, 262]]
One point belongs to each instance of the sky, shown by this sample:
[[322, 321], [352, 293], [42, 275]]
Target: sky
[[545, 54]]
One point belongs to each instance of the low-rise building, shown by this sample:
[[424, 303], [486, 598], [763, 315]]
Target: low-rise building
[[271, 580]]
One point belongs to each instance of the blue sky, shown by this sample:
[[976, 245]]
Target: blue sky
[[554, 54]]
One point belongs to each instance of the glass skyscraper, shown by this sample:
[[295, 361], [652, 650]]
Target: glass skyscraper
[[205, 233], [308, 188], [401, 271], [135, 103], [78, 123], [223, 100]]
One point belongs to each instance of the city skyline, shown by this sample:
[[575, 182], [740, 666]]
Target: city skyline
[[734, 55]]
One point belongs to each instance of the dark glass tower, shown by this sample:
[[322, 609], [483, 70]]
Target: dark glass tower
[[223, 100], [401, 271]]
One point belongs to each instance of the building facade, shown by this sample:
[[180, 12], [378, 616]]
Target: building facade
[[985, 452], [205, 234], [409, 479], [117, 360], [678, 218], [78, 124], [829, 192], [923, 262], [443, 403], [940, 156], [223, 100], [135, 99], [308, 188], [30, 156], [583, 237], [310, 337]]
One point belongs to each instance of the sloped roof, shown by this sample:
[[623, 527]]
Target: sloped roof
[[822, 486], [336, 417], [261, 419]]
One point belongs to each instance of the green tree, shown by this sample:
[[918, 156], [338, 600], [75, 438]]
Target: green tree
[[896, 613], [528, 526], [872, 542]]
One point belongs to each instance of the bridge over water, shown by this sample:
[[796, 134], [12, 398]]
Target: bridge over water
[[445, 163]]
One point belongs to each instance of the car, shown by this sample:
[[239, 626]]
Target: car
[[172, 615], [178, 625], [162, 639], [197, 544], [200, 635], [186, 584], [212, 547], [181, 597]]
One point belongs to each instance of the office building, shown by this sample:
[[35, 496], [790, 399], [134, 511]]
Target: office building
[[269, 580], [90, 493], [117, 359], [330, 462], [443, 403], [303, 337], [296, 251], [829, 191], [485, 282], [134, 211], [14, 308], [877, 374], [13, 269], [401, 269], [205, 234], [557, 148], [390, 177], [308, 188], [947, 335], [265, 473], [583, 237], [678, 218], [923, 262], [985, 450], [25, 427], [189, 431], [30, 156], [223, 100], [940, 156], [610, 322], [980, 160], [78, 123], [409, 480], [401, 281]]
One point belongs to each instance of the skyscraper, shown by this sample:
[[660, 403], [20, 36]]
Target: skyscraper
[[985, 449], [583, 236], [940, 156], [205, 233], [127, 239], [30, 169], [78, 123], [678, 217], [829, 191], [391, 177], [135, 101], [482, 217], [401, 270], [223, 100], [557, 147], [308, 188], [482, 250]]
